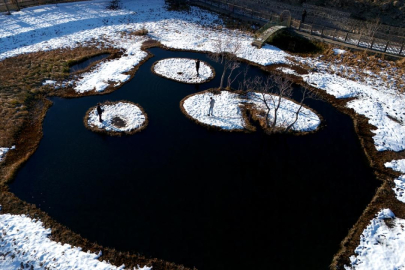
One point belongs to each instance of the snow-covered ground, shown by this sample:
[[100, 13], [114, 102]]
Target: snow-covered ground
[[74, 24], [4, 150], [381, 246], [25, 242], [131, 115], [307, 119], [183, 70], [377, 94], [227, 113], [398, 165]]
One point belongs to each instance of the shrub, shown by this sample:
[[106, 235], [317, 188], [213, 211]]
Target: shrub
[[114, 5]]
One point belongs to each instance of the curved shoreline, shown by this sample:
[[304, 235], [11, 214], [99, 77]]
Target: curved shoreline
[[384, 197], [172, 79], [116, 133], [245, 110]]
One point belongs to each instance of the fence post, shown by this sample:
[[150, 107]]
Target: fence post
[[310, 30], [372, 43], [358, 42], [402, 48], [386, 46], [323, 27], [347, 34]]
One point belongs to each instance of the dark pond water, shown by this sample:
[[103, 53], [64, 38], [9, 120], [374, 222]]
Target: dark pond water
[[201, 198], [88, 62]]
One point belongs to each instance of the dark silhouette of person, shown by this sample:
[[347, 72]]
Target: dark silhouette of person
[[100, 112], [211, 110], [304, 14], [197, 66]]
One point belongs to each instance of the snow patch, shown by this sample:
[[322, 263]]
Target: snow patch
[[307, 119], [131, 115], [398, 165], [25, 241], [287, 71], [111, 72], [384, 108], [381, 246], [4, 150], [339, 51], [227, 114], [334, 85], [183, 70]]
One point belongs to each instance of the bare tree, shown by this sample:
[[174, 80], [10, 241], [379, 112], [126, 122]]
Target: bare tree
[[270, 92], [8, 10], [301, 104], [226, 54], [373, 27]]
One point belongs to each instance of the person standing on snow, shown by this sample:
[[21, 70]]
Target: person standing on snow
[[99, 111], [304, 14], [197, 66], [211, 110]]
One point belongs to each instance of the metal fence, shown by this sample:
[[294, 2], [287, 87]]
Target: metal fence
[[387, 39], [382, 41], [12, 5]]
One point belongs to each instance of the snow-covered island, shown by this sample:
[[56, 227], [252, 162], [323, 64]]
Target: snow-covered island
[[121, 117], [375, 93], [183, 70], [228, 111]]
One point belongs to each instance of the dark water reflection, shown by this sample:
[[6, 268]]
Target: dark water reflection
[[88, 62], [208, 199]]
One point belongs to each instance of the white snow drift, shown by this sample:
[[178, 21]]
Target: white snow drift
[[398, 165], [70, 25], [227, 114], [25, 241], [381, 246], [183, 70], [132, 115], [112, 72], [4, 150]]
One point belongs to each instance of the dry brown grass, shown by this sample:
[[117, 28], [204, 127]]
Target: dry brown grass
[[21, 80], [384, 197], [253, 117], [22, 90], [13, 205], [357, 64]]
